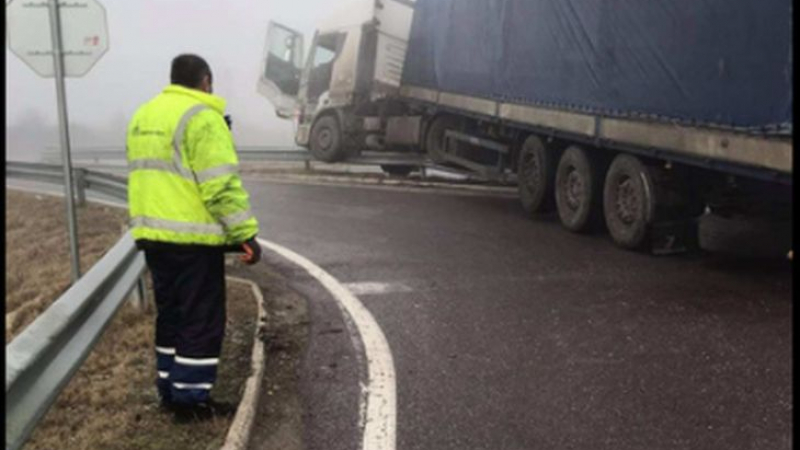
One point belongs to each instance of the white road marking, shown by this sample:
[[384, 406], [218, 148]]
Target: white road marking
[[242, 426], [380, 391], [376, 288]]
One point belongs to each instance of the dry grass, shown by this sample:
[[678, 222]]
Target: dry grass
[[37, 251], [111, 403]]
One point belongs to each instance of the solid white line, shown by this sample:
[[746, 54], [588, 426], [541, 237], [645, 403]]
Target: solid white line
[[376, 288], [241, 428], [380, 391]]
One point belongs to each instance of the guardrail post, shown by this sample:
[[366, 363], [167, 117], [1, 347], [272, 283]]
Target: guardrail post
[[142, 288], [80, 186], [307, 164], [139, 296]]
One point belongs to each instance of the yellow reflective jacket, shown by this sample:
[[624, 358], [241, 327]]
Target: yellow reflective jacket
[[184, 186]]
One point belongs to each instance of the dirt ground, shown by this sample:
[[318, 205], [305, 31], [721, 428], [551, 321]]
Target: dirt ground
[[111, 403], [279, 417]]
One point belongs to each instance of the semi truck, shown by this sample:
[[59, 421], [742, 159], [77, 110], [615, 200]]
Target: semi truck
[[635, 117]]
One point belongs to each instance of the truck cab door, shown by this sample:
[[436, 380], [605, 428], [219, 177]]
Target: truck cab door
[[281, 68]]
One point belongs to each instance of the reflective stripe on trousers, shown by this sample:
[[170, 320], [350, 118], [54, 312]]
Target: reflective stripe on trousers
[[165, 357], [192, 378]]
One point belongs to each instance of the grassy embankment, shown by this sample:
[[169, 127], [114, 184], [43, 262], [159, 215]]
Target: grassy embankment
[[111, 402]]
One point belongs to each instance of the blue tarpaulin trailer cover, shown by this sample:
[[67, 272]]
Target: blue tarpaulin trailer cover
[[705, 62]]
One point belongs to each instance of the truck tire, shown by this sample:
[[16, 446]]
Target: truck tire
[[536, 173], [326, 140], [578, 190], [434, 137], [400, 171], [629, 201]]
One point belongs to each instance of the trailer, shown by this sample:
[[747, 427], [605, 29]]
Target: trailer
[[637, 117]]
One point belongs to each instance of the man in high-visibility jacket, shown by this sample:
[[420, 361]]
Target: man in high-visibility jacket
[[187, 207]]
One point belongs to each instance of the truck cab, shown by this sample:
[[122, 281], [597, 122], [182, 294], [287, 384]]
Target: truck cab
[[354, 65]]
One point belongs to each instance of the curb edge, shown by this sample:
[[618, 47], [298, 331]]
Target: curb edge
[[238, 437]]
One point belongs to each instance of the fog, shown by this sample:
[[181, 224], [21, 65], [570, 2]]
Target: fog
[[144, 36]]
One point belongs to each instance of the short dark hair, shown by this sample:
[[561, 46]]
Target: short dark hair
[[188, 70]]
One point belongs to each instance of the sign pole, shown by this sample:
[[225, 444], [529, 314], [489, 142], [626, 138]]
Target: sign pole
[[63, 123]]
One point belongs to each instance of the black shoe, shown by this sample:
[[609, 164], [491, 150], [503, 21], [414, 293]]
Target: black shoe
[[202, 411]]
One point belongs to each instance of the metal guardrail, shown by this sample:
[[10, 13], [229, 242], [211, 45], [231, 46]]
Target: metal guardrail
[[272, 154], [49, 173], [298, 154], [44, 357], [282, 155], [111, 153], [111, 185], [251, 153]]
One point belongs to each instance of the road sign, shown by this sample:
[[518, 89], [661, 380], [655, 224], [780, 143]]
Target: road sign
[[59, 38], [84, 34]]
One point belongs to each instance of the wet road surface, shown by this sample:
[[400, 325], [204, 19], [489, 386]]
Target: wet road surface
[[511, 333]]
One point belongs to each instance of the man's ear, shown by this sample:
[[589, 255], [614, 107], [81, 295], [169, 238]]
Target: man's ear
[[205, 85]]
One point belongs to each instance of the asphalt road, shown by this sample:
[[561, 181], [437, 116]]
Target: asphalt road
[[510, 333]]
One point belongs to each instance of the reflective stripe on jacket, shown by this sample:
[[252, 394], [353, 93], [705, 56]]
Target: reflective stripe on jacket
[[184, 186]]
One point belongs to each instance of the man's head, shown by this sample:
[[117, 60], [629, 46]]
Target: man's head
[[191, 71]]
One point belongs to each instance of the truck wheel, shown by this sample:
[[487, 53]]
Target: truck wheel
[[434, 137], [629, 202], [536, 174], [401, 171], [578, 190], [326, 140]]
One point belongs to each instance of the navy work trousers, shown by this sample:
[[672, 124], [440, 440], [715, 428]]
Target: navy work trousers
[[189, 285]]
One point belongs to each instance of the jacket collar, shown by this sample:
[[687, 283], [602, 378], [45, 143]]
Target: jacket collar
[[213, 101]]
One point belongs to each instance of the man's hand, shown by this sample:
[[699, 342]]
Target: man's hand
[[252, 252]]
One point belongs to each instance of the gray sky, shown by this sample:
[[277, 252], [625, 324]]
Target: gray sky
[[144, 36]]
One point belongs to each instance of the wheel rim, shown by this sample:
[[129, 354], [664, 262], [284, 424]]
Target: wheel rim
[[574, 192], [628, 204], [325, 139]]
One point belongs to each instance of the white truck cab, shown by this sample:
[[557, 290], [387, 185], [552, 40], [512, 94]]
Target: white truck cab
[[354, 63]]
